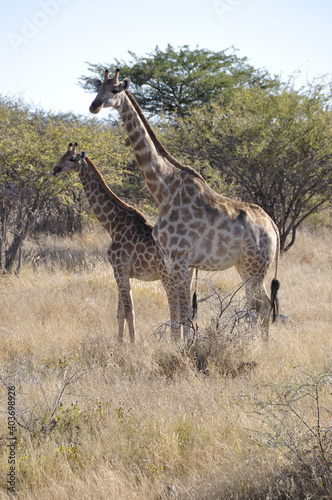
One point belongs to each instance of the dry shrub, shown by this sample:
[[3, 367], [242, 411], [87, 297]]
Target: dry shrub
[[227, 342]]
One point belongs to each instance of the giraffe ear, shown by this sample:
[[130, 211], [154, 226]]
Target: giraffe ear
[[125, 84], [83, 155], [96, 83]]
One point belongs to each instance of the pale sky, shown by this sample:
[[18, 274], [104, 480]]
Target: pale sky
[[45, 44]]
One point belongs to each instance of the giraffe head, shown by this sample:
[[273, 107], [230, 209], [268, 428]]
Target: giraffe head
[[71, 160], [108, 91]]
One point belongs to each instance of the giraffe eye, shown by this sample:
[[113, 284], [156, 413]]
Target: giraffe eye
[[72, 159]]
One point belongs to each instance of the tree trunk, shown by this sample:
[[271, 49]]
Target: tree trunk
[[3, 232], [11, 252], [19, 260]]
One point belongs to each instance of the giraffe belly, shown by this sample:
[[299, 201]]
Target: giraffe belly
[[208, 245], [217, 261], [215, 252], [144, 263], [147, 275], [206, 254]]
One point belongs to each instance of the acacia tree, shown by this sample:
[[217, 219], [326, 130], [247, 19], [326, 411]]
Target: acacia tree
[[250, 135], [270, 148], [173, 81], [24, 181], [31, 142], [22, 202]]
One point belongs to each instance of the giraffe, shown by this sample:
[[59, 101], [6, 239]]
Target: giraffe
[[133, 252], [196, 226]]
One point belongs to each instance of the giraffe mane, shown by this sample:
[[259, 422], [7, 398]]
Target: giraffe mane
[[160, 148], [112, 195]]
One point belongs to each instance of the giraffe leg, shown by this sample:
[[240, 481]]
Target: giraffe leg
[[174, 308], [127, 306], [183, 281], [264, 313], [172, 299], [178, 295], [253, 271], [177, 285], [130, 317], [120, 317], [258, 303]]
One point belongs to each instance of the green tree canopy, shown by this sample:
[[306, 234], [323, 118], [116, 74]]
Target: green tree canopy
[[250, 134], [273, 148], [173, 81]]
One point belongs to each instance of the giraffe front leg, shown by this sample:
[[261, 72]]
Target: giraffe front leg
[[172, 299], [174, 308], [181, 279], [120, 281], [185, 302], [126, 311]]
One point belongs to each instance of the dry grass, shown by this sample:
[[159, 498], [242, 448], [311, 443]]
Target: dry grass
[[121, 422]]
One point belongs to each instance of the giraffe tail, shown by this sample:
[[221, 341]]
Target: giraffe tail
[[194, 299], [275, 285]]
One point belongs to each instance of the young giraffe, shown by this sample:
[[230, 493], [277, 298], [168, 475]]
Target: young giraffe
[[133, 252], [196, 226]]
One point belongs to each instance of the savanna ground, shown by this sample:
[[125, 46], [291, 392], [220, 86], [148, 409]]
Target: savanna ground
[[100, 420]]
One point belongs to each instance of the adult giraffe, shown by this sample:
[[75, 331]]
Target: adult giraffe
[[133, 252], [196, 226]]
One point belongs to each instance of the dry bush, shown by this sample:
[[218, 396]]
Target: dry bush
[[123, 422]]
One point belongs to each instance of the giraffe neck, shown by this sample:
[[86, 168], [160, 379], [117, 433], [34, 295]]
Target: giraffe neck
[[153, 161], [107, 207]]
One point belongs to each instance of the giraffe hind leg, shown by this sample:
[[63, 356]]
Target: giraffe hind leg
[[259, 305], [131, 322], [264, 312], [130, 316], [120, 318]]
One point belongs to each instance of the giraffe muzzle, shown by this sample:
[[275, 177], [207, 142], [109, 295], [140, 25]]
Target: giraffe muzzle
[[56, 170], [96, 106]]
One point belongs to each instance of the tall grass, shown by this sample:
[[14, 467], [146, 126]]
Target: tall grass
[[96, 419]]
